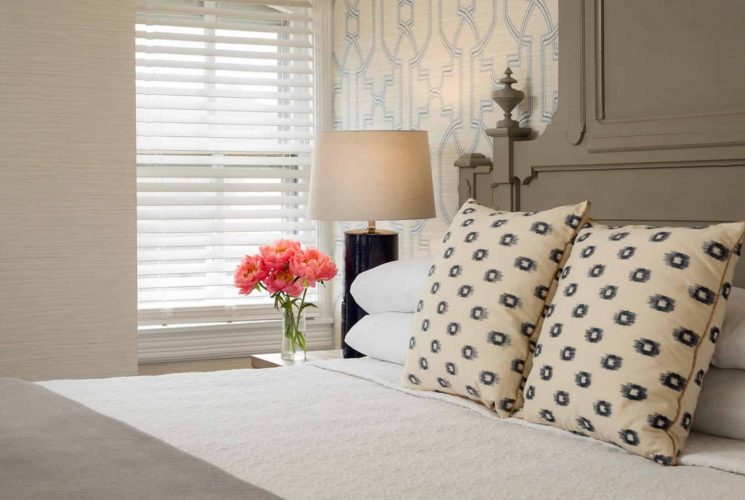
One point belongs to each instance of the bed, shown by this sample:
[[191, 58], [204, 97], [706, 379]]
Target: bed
[[350, 429]]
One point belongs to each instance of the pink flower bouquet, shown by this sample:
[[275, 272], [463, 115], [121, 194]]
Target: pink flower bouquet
[[286, 271]]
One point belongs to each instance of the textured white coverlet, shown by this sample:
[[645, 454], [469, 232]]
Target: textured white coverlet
[[348, 429]]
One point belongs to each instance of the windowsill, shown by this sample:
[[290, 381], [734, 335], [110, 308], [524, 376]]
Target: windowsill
[[212, 341]]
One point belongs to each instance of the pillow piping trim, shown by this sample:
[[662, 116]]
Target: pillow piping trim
[[585, 218], [676, 451]]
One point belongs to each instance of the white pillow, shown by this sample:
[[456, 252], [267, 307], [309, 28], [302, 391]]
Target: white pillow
[[730, 350], [721, 404], [382, 336], [391, 287]]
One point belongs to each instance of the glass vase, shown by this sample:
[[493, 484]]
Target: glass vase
[[293, 338]]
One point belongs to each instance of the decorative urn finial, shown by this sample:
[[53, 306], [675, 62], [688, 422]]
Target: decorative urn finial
[[507, 98]]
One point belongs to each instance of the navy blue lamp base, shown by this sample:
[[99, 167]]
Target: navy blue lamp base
[[362, 251]]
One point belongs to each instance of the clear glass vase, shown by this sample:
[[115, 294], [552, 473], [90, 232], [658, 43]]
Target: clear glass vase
[[293, 338]]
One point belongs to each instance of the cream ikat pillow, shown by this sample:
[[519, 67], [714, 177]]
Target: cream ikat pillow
[[628, 338], [483, 301]]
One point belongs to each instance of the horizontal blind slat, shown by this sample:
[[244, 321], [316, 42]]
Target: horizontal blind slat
[[249, 67], [244, 94], [208, 37], [163, 20], [152, 7], [221, 252], [145, 74], [210, 157], [176, 295], [229, 145], [152, 48], [145, 213], [214, 281], [172, 268], [157, 200], [145, 117], [205, 187], [232, 107], [199, 172], [205, 132], [272, 3], [222, 226]]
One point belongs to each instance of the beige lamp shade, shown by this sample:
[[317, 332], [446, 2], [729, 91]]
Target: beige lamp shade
[[371, 175]]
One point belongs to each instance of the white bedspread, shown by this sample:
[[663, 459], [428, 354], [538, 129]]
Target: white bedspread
[[348, 429]]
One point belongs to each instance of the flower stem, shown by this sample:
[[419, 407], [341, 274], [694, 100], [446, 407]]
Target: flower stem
[[292, 320]]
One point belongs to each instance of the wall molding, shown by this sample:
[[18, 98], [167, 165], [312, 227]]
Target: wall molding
[[676, 131], [535, 170]]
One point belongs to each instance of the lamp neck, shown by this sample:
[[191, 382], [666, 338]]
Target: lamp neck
[[371, 227]]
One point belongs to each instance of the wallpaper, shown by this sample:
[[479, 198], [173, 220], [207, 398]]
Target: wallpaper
[[431, 65]]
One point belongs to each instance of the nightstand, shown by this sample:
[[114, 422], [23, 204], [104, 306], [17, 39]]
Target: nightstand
[[274, 360], [198, 365]]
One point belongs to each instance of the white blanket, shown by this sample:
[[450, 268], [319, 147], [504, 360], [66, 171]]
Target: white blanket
[[348, 429]]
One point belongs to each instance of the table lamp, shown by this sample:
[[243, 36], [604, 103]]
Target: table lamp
[[369, 175]]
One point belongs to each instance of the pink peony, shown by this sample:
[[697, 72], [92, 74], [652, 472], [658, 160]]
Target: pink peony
[[284, 281], [277, 255], [312, 265], [248, 274]]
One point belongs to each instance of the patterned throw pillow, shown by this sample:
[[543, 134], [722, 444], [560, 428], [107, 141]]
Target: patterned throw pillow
[[628, 338], [483, 301]]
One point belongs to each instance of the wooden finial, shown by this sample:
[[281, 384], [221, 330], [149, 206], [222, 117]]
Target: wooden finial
[[507, 98]]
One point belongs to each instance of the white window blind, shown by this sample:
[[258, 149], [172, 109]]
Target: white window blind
[[224, 135]]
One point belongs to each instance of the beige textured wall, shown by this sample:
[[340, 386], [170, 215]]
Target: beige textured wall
[[67, 189]]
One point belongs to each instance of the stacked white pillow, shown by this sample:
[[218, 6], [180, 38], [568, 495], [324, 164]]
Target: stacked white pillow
[[721, 405], [390, 293], [730, 351], [383, 336], [391, 287]]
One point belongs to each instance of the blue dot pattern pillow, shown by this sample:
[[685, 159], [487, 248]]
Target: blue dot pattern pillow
[[629, 335], [482, 304]]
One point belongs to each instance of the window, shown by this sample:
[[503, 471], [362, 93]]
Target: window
[[225, 118]]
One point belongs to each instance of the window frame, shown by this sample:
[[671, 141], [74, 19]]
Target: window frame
[[158, 328]]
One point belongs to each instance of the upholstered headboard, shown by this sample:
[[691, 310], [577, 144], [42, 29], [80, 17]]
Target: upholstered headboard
[[650, 125]]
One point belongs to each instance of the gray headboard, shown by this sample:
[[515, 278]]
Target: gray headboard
[[650, 125]]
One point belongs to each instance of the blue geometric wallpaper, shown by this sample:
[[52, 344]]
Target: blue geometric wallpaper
[[431, 65]]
